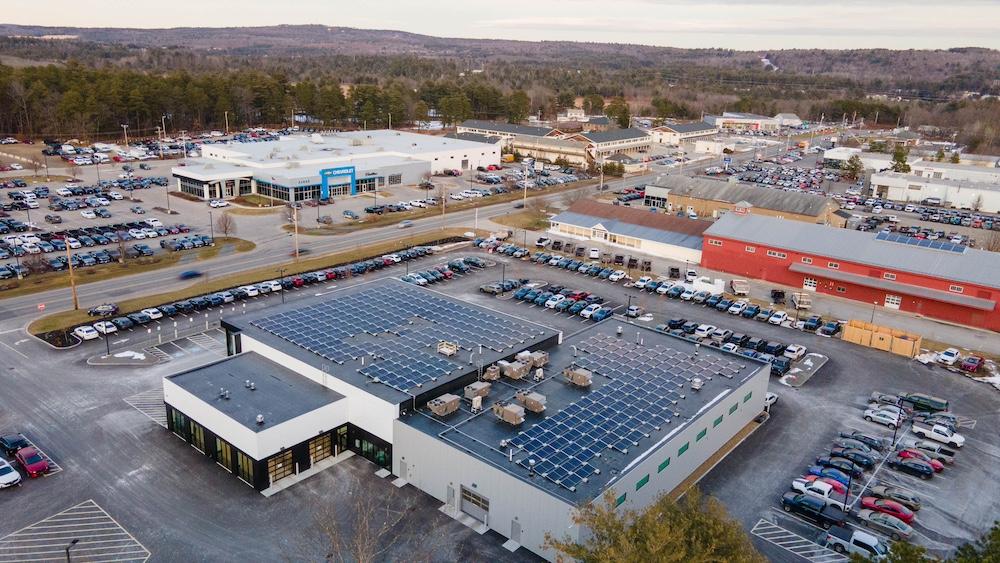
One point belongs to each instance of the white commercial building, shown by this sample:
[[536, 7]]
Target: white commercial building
[[788, 120], [837, 157], [962, 172], [301, 167], [508, 424], [961, 194], [737, 121], [674, 134]]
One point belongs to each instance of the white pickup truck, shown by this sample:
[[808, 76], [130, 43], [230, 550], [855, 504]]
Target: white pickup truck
[[934, 451], [820, 490], [938, 433]]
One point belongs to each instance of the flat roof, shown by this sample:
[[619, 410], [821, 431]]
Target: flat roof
[[382, 336], [974, 266], [918, 179], [614, 135], [639, 398], [692, 127], [334, 147], [659, 227], [280, 394]]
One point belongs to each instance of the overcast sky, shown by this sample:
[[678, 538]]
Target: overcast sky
[[739, 24]]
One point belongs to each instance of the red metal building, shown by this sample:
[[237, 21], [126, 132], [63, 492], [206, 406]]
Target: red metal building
[[930, 278]]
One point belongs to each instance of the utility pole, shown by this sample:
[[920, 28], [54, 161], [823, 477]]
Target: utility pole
[[390, 121], [159, 140], [72, 279], [211, 226], [281, 275], [227, 122], [125, 130], [295, 230]]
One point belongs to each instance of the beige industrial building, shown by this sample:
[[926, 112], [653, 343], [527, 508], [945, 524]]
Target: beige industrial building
[[714, 198], [674, 134]]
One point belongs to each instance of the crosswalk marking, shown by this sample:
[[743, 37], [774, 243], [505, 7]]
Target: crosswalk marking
[[207, 342], [794, 543], [150, 403], [100, 538], [159, 354]]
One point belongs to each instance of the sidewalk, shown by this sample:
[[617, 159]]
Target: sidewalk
[[830, 306]]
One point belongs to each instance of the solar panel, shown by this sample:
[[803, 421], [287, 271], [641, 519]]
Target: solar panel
[[637, 400], [408, 322], [921, 242]]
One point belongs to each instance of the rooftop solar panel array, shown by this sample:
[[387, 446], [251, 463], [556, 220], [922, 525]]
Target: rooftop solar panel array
[[403, 325], [921, 242], [646, 382]]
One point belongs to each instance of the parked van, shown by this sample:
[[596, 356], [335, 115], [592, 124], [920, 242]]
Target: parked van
[[922, 402]]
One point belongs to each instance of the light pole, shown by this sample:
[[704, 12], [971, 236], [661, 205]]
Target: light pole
[[70, 546], [503, 275], [125, 130], [874, 305], [107, 337], [211, 226], [281, 275], [227, 122]]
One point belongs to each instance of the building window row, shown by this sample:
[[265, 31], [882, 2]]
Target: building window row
[[395, 179], [776, 254], [751, 249], [956, 288], [833, 265], [889, 276], [807, 260], [714, 242]]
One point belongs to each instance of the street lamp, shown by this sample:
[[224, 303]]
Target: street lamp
[[281, 276], [211, 226], [125, 130], [70, 546], [107, 337], [874, 305]]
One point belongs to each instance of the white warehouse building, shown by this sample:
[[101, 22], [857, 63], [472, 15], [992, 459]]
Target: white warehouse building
[[301, 167], [961, 194], [507, 423]]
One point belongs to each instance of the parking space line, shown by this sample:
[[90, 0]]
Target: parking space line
[[795, 544], [101, 538], [150, 403]]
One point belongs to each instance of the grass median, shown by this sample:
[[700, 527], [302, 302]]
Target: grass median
[[67, 319], [385, 219], [530, 220]]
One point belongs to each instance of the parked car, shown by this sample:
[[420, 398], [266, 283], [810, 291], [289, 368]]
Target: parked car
[[948, 357], [884, 417], [890, 507], [86, 332], [911, 466], [10, 443], [855, 542], [888, 524], [901, 496], [8, 475], [812, 509], [31, 460]]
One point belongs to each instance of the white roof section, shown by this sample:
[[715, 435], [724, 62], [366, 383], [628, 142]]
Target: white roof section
[[335, 148], [898, 179], [974, 266]]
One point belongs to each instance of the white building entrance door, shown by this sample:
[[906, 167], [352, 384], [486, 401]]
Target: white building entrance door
[[515, 531], [893, 301], [809, 284]]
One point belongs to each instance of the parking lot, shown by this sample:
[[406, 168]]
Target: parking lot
[[958, 504]]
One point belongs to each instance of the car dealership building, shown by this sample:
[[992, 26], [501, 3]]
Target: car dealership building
[[303, 167], [509, 424]]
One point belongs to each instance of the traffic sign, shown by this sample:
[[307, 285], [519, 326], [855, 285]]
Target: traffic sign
[[41, 306], [727, 159]]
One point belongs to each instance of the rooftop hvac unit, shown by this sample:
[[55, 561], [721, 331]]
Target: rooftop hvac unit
[[536, 359], [697, 383], [444, 405], [539, 374], [447, 348], [514, 370], [477, 405], [579, 376], [477, 389], [534, 402], [492, 373], [509, 413]]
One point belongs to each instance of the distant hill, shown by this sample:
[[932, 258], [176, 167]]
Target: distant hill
[[880, 66]]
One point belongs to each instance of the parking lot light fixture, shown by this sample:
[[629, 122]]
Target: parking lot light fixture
[[70, 546]]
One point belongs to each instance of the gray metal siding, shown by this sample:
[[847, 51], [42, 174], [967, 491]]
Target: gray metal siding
[[433, 466]]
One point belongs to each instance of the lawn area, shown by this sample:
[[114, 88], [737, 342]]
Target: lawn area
[[55, 280], [385, 219], [529, 220], [253, 200], [67, 319], [238, 244]]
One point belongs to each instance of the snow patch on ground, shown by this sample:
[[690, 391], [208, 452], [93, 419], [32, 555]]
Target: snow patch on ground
[[130, 355]]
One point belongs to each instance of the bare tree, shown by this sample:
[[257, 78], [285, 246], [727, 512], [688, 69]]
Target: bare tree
[[977, 202], [34, 263], [226, 224], [377, 519], [992, 242], [572, 196]]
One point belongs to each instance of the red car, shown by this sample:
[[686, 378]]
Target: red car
[[972, 363], [837, 485], [298, 282], [917, 454], [890, 507], [578, 295], [32, 461]]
